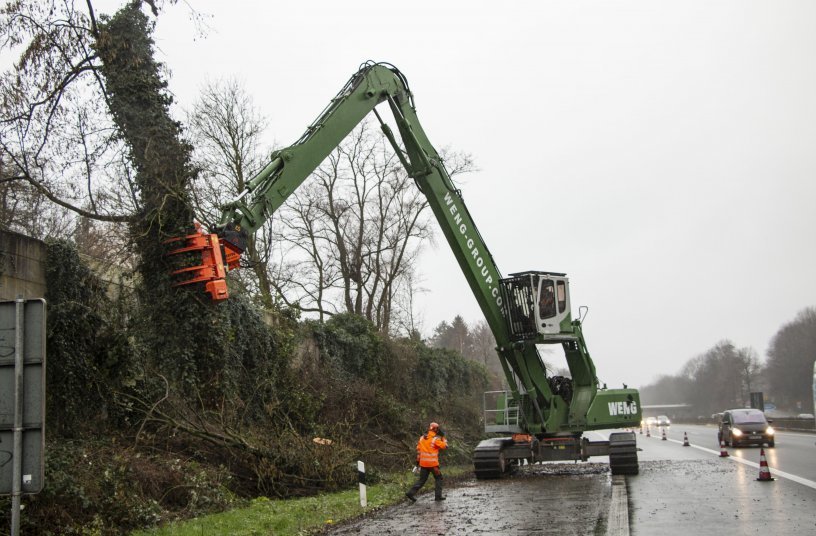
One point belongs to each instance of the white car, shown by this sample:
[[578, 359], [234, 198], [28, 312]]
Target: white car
[[663, 420]]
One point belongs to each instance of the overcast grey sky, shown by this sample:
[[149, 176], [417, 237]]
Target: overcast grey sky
[[660, 153]]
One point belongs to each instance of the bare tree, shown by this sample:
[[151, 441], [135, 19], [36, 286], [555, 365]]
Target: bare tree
[[354, 231], [483, 343], [721, 378], [226, 129], [791, 357], [405, 320], [54, 135], [24, 209], [306, 271]]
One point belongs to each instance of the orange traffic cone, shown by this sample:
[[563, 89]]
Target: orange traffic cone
[[648, 431], [764, 472], [685, 440], [641, 429], [723, 452], [664, 434]]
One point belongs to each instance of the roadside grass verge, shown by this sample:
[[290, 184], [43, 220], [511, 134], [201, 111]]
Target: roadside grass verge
[[302, 516]]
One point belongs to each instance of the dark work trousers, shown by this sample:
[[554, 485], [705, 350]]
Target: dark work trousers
[[423, 477]]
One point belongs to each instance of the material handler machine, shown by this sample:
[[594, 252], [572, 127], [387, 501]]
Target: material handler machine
[[541, 417]]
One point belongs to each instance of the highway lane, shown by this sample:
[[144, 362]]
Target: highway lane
[[793, 454], [682, 490]]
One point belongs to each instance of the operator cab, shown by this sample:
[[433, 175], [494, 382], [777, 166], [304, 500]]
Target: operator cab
[[537, 305]]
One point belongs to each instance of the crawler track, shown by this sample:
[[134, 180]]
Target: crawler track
[[623, 453], [489, 460]]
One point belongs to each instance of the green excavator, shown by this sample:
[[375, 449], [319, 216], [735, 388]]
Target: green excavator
[[540, 417]]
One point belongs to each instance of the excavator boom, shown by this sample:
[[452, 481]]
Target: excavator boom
[[545, 413]]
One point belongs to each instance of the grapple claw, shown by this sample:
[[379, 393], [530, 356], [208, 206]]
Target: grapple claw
[[212, 271]]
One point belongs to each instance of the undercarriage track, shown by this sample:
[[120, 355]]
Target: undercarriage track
[[623, 453], [493, 458], [488, 458]]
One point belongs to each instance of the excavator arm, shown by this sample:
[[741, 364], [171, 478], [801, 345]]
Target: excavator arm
[[373, 84], [523, 310]]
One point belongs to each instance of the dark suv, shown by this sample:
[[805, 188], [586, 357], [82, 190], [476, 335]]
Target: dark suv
[[745, 427]]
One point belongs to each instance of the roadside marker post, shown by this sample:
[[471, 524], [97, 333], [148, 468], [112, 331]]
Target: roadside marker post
[[361, 478]]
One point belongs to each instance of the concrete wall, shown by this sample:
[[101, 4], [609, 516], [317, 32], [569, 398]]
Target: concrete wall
[[22, 266]]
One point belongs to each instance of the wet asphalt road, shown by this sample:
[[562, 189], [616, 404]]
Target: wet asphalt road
[[680, 490]]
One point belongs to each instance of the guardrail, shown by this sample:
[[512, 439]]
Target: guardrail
[[800, 425]]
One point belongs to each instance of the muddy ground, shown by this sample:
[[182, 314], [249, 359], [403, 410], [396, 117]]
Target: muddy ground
[[679, 491], [564, 498]]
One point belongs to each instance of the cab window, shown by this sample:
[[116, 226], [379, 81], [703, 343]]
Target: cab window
[[546, 299], [561, 292]]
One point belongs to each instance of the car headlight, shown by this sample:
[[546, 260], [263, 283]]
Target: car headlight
[[736, 432], [769, 431]]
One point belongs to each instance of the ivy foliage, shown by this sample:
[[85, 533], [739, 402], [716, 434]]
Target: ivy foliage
[[183, 336], [441, 375], [351, 345], [255, 367], [89, 357]]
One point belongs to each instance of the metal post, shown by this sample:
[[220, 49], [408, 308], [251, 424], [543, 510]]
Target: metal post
[[17, 453]]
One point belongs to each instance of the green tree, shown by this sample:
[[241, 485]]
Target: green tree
[[455, 336]]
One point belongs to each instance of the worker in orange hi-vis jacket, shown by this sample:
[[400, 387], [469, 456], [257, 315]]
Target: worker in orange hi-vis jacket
[[428, 448]]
